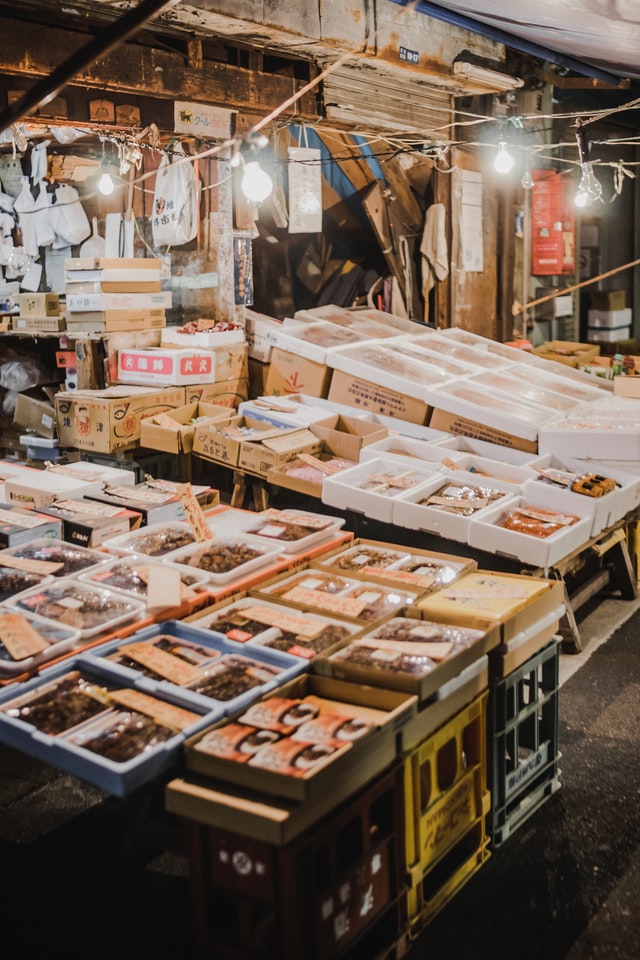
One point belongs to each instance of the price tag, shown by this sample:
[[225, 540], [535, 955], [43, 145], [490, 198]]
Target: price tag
[[194, 513], [165, 713], [20, 638], [164, 587], [287, 622], [348, 606], [43, 567], [166, 664]]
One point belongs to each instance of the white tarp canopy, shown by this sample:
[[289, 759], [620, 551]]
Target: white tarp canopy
[[604, 34]]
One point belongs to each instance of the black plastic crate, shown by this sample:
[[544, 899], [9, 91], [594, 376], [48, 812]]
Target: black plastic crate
[[522, 735]]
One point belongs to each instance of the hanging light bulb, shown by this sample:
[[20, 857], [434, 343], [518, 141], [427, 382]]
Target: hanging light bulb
[[236, 157], [503, 161], [527, 181], [256, 183], [105, 183], [589, 188]]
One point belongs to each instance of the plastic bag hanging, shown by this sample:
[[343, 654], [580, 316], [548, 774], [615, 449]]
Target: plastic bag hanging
[[176, 202], [68, 218]]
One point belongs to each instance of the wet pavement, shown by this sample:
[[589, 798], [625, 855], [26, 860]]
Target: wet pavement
[[86, 874]]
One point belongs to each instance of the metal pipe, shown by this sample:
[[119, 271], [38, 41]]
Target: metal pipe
[[49, 87], [510, 40]]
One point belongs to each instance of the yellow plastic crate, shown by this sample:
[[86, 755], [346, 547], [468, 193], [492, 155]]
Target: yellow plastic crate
[[445, 796]]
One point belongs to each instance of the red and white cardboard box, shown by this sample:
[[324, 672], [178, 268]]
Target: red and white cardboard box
[[166, 366]]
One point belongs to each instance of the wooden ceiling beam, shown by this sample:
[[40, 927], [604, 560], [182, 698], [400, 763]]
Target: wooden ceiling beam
[[31, 51]]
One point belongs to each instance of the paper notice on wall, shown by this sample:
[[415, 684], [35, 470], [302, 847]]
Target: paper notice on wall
[[305, 190], [471, 221]]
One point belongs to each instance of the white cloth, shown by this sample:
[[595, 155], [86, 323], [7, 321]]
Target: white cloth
[[433, 247], [68, 218]]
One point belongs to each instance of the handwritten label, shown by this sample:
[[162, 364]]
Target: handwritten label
[[43, 567], [89, 508], [165, 713], [23, 519], [166, 664], [20, 638], [326, 468], [145, 495], [403, 576], [287, 622], [348, 606], [193, 513], [300, 519]]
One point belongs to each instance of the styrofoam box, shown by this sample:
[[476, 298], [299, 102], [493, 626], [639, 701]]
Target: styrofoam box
[[605, 510], [348, 316], [406, 347], [205, 339], [492, 408], [484, 448], [296, 338], [576, 393], [265, 552], [344, 489], [65, 750], [587, 385], [409, 512], [377, 361], [484, 471], [607, 334], [604, 432], [161, 535], [423, 454], [461, 352], [60, 638], [484, 344], [279, 667], [270, 633], [281, 412], [609, 318], [516, 383], [544, 552], [40, 487], [68, 592]]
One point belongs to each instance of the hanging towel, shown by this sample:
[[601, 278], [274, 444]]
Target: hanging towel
[[433, 247]]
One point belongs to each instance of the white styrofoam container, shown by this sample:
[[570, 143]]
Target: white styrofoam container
[[160, 535], [459, 444], [344, 490], [543, 552], [488, 472], [585, 386], [298, 339], [607, 334], [609, 318], [602, 433], [423, 454], [516, 383], [376, 361], [484, 344], [281, 412], [605, 510], [409, 512], [492, 408], [462, 352]]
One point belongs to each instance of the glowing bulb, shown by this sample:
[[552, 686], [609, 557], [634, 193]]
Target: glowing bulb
[[105, 184], [589, 188], [527, 180], [503, 161], [256, 183]]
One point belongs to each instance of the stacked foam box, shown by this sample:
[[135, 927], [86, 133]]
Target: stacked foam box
[[114, 294]]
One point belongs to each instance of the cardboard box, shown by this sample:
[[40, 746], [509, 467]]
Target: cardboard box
[[261, 456], [18, 526], [289, 373], [609, 318], [222, 441], [107, 420], [225, 393], [116, 321], [173, 431], [36, 324], [336, 778], [36, 415], [569, 352], [89, 523], [346, 436], [281, 476], [453, 423], [81, 302], [161, 366], [112, 263], [229, 362], [365, 395], [257, 375], [39, 304], [626, 386], [157, 501], [608, 299]]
